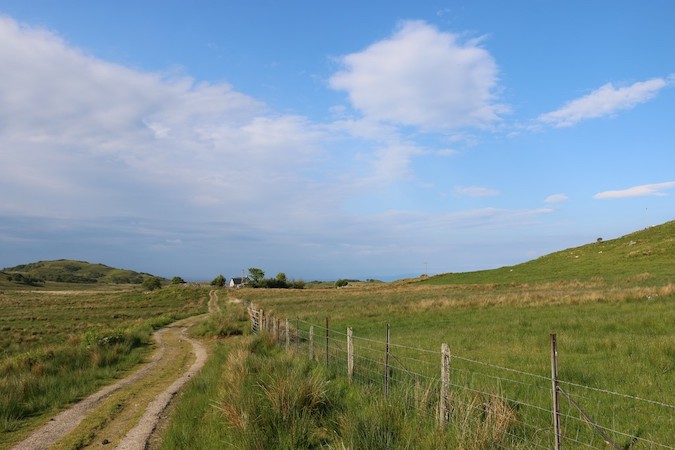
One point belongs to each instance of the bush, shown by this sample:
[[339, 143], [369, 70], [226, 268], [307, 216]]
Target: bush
[[218, 281], [152, 283], [341, 283]]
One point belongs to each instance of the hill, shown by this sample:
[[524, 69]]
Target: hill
[[647, 255], [70, 271]]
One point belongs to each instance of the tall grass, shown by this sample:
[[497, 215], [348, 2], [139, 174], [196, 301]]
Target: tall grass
[[44, 379], [251, 395], [268, 400]]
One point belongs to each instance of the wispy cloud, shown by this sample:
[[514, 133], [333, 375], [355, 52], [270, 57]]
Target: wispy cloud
[[556, 198], [605, 101], [644, 190], [475, 191], [422, 77]]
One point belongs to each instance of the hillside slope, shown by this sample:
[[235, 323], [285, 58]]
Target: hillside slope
[[647, 254], [70, 271]]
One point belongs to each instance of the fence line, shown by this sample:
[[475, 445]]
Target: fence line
[[451, 388]]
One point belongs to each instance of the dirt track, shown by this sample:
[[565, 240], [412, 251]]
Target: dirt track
[[169, 341]]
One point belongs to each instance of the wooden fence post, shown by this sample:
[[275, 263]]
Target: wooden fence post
[[386, 365], [311, 342], [297, 335], [275, 329], [350, 354], [554, 387], [444, 405], [261, 321], [326, 342], [252, 318], [288, 336]]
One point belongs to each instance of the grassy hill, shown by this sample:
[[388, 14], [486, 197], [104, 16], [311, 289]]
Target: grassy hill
[[70, 271], [647, 256]]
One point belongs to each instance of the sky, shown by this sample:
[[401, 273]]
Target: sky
[[331, 139]]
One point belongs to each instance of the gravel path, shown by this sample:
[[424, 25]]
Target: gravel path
[[66, 421]]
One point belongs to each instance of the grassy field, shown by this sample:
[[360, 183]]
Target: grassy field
[[607, 341], [61, 342], [612, 308]]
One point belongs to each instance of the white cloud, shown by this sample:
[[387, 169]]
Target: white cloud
[[81, 137], [645, 190], [605, 101], [422, 77], [556, 198], [475, 191]]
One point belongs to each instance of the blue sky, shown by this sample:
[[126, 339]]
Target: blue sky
[[330, 139]]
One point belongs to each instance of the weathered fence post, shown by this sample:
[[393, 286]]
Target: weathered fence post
[[554, 387], [288, 336], [253, 317], [275, 329], [311, 342], [350, 354], [261, 321], [297, 335], [326, 342], [386, 365], [444, 405]]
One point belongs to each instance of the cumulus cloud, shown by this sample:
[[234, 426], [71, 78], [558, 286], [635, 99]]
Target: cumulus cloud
[[556, 198], [475, 191], [422, 77], [605, 101], [645, 190]]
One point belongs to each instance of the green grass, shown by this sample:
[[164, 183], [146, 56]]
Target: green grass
[[621, 344], [251, 395], [58, 346], [648, 255]]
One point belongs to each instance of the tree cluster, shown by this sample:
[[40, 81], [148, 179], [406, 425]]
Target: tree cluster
[[24, 279], [258, 280]]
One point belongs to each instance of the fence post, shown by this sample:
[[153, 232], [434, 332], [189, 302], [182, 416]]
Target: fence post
[[386, 365], [444, 406], [326, 342], [311, 342], [261, 321], [554, 387], [288, 337], [297, 335], [350, 354], [275, 329], [252, 318]]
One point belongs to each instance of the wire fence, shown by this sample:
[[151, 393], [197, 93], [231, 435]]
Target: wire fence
[[529, 410]]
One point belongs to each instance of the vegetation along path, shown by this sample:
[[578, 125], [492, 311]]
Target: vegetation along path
[[124, 415]]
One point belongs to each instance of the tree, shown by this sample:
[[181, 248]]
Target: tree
[[281, 278], [177, 280], [152, 283], [218, 281], [257, 275]]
